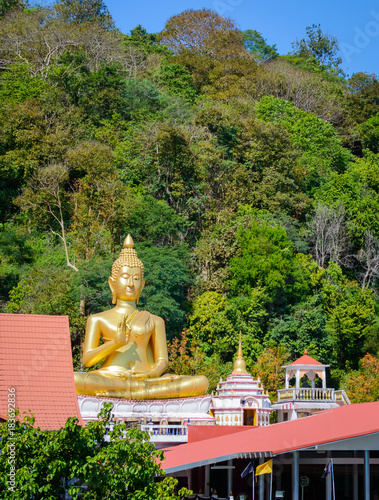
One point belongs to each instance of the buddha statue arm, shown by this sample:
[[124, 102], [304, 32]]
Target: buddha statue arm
[[159, 345], [92, 351]]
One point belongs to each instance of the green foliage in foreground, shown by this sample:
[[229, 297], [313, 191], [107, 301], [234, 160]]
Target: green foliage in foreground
[[93, 462]]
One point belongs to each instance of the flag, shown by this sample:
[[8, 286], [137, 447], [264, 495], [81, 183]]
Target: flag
[[248, 470], [327, 470], [265, 468]]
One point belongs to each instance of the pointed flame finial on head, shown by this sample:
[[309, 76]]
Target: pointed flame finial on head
[[128, 257], [128, 242], [239, 364]]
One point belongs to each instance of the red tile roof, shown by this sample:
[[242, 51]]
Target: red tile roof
[[36, 359], [325, 427], [306, 360]]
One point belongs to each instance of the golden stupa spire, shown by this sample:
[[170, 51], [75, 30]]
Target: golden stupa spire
[[239, 363]]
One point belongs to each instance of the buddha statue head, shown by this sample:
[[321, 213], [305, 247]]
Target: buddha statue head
[[126, 282]]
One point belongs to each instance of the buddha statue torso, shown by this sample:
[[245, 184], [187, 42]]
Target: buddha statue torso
[[136, 356]]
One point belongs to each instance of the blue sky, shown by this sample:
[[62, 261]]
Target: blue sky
[[354, 24]]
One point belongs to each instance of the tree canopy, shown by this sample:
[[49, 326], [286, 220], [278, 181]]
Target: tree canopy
[[204, 32], [247, 178]]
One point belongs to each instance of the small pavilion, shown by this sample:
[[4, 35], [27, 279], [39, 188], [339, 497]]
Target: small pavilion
[[304, 399]]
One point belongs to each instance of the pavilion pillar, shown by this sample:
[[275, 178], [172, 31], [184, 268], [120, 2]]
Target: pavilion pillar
[[295, 475], [207, 477], [230, 477], [297, 379], [367, 475]]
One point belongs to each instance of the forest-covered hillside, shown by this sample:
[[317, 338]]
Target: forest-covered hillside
[[248, 179]]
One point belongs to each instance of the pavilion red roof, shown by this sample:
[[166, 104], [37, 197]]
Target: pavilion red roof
[[36, 360], [306, 360], [325, 427]]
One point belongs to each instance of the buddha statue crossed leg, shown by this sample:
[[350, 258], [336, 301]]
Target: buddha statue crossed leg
[[134, 347]]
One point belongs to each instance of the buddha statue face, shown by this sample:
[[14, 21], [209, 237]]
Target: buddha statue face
[[127, 281], [127, 285]]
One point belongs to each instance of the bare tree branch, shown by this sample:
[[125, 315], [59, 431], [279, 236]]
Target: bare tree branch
[[330, 237], [369, 260]]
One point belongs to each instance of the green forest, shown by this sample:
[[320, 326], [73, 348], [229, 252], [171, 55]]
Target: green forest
[[248, 179]]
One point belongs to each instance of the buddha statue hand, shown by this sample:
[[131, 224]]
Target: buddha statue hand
[[124, 328], [131, 375], [151, 376]]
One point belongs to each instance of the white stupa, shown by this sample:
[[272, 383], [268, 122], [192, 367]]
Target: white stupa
[[241, 399]]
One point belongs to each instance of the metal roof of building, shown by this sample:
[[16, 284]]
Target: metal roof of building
[[332, 426]]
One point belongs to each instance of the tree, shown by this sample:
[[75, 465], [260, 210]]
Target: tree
[[319, 46], [45, 195], [350, 315], [269, 368], [15, 255], [215, 321], [267, 176], [330, 236], [34, 38], [140, 35], [258, 47], [368, 133], [38, 37], [187, 358], [146, 42], [97, 91], [84, 11], [99, 201], [232, 78], [307, 90], [357, 190], [174, 167], [363, 97], [321, 146], [265, 260], [154, 221], [204, 32], [211, 326], [303, 328], [167, 279], [9, 5], [369, 259], [97, 461], [213, 251], [362, 385], [176, 80]]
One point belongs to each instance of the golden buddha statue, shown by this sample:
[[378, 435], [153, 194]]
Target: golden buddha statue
[[132, 344]]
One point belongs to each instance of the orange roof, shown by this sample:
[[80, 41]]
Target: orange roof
[[36, 360], [306, 360], [331, 426]]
